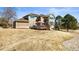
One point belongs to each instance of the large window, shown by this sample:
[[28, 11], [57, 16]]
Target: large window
[[51, 17], [32, 16]]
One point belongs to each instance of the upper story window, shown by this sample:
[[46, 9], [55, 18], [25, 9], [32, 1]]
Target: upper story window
[[51, 17], [32, 16]]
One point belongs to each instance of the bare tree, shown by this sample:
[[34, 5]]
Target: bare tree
[[9, 14]]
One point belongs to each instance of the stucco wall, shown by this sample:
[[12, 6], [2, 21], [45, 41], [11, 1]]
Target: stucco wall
[[22, 25], [32, 20], [51, 21]]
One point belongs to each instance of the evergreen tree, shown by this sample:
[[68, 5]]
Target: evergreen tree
[[58, 22], [69, 22]]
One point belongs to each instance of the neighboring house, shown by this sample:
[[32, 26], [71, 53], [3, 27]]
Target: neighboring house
[[35, 21], [51, 20]]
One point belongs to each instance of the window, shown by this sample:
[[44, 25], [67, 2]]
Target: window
[[32, 16], [51, 17]]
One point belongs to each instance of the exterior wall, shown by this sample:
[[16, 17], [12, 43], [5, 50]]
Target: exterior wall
[[32, 20], [22, 25], [42, 19], [51, 21]]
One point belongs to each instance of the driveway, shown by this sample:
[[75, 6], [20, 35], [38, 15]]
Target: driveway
[[72, 44]]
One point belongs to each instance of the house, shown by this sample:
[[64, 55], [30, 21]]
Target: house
[[35, 21]]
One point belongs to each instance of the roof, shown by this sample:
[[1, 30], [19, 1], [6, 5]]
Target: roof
[[32, 14], [25, 21], [42, 15]]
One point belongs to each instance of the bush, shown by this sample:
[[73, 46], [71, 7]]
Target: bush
[[4, 23]]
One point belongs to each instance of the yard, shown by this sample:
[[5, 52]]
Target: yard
[[32, 40]]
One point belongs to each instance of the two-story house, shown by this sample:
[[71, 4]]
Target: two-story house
[[35, 21]]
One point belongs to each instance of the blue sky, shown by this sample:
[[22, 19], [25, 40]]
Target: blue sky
[[22, 11]]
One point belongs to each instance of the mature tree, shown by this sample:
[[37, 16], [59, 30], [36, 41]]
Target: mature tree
[[9, 14], [69, 22], [58, 22]]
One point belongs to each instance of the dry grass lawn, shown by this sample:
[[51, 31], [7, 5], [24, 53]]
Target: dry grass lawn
[[32, 40]]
